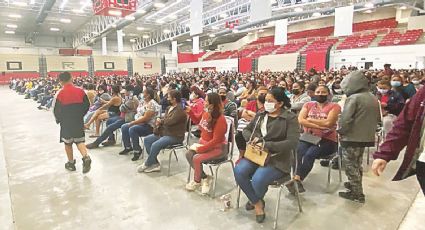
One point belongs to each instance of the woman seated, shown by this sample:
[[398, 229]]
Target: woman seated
[[318, 118], [168, 131], [278, 131], [213, 126], [147, 112], [299, 97], [108, 110], [392, 102]]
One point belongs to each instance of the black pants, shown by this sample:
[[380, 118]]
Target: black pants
[[420, 174]]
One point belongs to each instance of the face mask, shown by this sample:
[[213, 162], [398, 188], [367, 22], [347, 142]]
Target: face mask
[[269, 107], [395, 83], [262, 99], [383, 91], [321, 98], [416, 82], [295, 91], [192, 96], [338, 91], [223, 97]]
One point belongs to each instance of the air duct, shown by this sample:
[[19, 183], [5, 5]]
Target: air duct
[[47, 6]]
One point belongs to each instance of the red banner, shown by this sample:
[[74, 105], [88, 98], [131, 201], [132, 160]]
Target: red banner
[[148, 65]]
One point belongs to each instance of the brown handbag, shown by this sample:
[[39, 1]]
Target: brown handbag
[[254, 152]]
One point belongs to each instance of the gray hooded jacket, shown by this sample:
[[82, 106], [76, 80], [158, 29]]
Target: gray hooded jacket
[[358, 122]]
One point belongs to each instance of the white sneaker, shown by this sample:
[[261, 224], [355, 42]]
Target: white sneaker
[[142, 168], [205, 189], [153, 168], [192, 186]]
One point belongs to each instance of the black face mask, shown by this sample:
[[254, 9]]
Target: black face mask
[[223, 97], [321, 98], [262, 99], [295, 91]]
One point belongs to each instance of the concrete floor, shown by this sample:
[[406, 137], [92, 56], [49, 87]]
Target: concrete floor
[[36, 192]]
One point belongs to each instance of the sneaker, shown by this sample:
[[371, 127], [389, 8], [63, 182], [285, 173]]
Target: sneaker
[[205, 183], [136, 156], [86, 164], [109, 143], [125, 151], [92, 146], [70, 165], [192, 186], [153, 168], [349, 195], [142, 167]]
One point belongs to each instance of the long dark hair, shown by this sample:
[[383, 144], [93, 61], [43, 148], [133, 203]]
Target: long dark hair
[[214, 100]]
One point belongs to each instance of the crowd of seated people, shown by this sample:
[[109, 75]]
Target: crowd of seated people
[[285, 104]]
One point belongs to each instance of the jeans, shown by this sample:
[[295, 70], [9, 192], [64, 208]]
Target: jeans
[[112, 124], [154, 144], [131, 135], [307, 153], [255, 180], [45, 100]]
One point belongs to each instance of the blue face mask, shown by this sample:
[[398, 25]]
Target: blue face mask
[[395, 83]]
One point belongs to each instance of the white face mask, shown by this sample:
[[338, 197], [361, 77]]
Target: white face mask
[[269, 107], [416, 82], [192, 96], [383, 91]]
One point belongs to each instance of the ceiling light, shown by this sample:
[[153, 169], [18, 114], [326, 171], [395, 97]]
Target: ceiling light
[[158, 4], [65, 20], [173, 16], [188, 40], [114, 25], [367, 11], [214, 27], [9, 32], [139, 28], [114, 12], [166, 31], [133, 40], [298, 9], [54, 29], [159, 21], [145, 36], [235, 31], [141, 11], [22, 4], [15, 16], [403, 8], [12, 26], [130, 18], [369, 5], [212, 35], [260, 30], [78, 11], [223, 15]]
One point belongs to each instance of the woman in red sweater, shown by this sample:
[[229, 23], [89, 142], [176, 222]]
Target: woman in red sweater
[[213, 128]]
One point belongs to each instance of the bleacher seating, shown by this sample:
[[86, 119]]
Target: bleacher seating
[[322, 32], [375, 25], [396, 38], [356, 41], [291, 47], [321, 44], [264, 51]]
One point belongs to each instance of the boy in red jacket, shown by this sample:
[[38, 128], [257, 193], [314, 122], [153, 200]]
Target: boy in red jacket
[[70, 106]]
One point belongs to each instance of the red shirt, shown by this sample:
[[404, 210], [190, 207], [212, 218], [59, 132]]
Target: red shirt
[[251, 106], [385, 98], [214, 136]]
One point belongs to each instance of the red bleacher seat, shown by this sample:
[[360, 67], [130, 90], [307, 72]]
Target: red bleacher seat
[[396, 38], [356, 41]]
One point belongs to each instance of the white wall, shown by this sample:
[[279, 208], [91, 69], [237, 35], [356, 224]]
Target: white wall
[[278, 62], [220, 65], [417, 22], [408, 56]]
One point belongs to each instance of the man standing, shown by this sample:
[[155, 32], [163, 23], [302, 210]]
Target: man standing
[[70, 106], [408, 131], [357, 127]]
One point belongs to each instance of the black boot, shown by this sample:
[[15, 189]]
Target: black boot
[[125, 151], [350, 195], [136, 155]]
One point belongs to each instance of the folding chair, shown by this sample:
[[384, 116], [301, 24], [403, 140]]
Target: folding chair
[[173, 148], [230, 137], [280, 184]]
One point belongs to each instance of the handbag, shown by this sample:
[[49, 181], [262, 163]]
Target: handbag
[[256, 153], [310, 138]]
